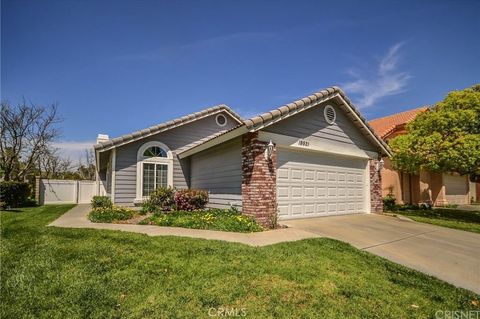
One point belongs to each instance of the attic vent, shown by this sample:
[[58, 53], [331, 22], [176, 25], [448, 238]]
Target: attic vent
[[221, 120], [329, 113]]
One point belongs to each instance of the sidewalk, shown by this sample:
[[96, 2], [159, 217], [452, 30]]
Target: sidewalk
[[77, 218]]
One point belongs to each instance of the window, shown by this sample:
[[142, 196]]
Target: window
[[154, 168], [154, 175], [154, 151], [221, 120], [329, 114]]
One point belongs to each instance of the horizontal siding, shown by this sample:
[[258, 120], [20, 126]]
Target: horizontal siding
[[219, 170], [176, 139], [311, 125]]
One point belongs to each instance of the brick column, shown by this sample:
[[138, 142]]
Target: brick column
[[259, 181], [376, 198]]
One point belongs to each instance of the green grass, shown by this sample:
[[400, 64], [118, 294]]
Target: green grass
[[52, 272], [452, 218], [214, 219]]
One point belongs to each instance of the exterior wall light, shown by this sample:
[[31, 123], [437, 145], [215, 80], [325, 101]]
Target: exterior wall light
[[269, 150], [380, 165]]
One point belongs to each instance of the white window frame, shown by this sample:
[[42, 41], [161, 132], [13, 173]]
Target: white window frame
[[152, 160]]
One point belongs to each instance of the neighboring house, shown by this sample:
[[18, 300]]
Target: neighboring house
[[439, 188], [314, 157]]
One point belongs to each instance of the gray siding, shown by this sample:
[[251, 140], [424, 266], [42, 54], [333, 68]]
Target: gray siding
[[311, 124], [219, 170], [176, 139]]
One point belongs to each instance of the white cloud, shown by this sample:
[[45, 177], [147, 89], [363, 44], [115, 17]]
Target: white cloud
[[386, 79], [74, 150]]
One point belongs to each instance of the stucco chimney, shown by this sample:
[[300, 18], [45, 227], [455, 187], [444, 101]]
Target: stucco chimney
[[102, 138]]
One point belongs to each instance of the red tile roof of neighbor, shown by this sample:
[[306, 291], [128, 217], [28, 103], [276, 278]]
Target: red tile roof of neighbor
[[383, 126]]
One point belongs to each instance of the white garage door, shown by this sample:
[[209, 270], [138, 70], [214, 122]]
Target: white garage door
[[315, 184], [456, 189]]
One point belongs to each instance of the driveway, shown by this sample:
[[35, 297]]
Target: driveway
[[449, 254]]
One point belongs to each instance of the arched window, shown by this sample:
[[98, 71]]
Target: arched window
[[155, 151], [154, 168]]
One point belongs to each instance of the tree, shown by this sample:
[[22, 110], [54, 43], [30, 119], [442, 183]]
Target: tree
[[445, 138], [26, 133], [53, 165], [87, 170]]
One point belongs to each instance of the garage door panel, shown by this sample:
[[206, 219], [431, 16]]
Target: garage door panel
[[282, 173], [313, 184]]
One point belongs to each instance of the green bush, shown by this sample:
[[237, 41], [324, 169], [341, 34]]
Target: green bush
[[190, 199], [214, 219], [101, 202], [161, 199], [110, 214], [14, 194], [389, 202]]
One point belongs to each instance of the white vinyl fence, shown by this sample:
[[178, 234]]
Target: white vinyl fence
[[56, 191]]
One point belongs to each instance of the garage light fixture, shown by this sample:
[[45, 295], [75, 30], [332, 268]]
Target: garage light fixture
[[269, 150], [380, 165]]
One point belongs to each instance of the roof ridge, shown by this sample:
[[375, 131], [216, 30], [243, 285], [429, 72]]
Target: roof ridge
[[168, 124], [295, 105]]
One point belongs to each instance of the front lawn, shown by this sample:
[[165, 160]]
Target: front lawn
[[452, 218], [214, 219], [50, 272]]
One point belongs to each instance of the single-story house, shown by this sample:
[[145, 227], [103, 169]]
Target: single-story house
[[314, 157], [438, 188]]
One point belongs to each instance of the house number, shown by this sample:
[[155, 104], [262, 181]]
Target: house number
[[303, 143]]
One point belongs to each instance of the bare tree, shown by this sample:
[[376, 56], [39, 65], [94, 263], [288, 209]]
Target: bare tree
[[26, 133], [53, 165], [87, 170]]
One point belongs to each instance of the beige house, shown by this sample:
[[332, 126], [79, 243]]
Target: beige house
[[438, 188]]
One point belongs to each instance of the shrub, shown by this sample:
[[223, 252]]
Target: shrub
[[161, 199], [190, 199], [14, 194], [110, 214], [101, 202], [389, 202]]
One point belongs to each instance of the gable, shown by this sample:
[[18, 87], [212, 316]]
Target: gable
[[229, 115], [310, 125], [187, 135]]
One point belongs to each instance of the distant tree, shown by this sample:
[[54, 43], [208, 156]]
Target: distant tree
[[86, 170], [26, 133], [53, 165], [446, 138]]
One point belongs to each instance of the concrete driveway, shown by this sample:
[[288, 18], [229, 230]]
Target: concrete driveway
[[449, 254]]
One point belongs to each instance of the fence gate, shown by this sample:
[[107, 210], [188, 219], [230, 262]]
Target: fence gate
[[56, 191]]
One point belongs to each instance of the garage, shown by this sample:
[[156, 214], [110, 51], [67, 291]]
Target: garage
[[456, 189], [312, 184]]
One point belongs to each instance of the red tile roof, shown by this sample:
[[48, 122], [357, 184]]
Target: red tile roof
[[386, 125]]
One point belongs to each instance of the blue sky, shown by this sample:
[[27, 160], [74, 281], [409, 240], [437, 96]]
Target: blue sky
[[118, 66]]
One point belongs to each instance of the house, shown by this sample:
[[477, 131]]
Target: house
[[314, 157], [439, 188]]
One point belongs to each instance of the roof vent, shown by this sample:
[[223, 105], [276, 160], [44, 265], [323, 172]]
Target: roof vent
[[102, 138], [330, 115]]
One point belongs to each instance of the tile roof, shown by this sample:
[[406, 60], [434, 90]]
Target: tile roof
[[384, 126], [256, 122], [166, 126], [265, 119]]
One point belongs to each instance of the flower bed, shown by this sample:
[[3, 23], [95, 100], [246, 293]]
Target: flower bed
[[112, 214], [214, 219]]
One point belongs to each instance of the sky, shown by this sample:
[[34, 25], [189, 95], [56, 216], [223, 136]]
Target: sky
[[114, 67]]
